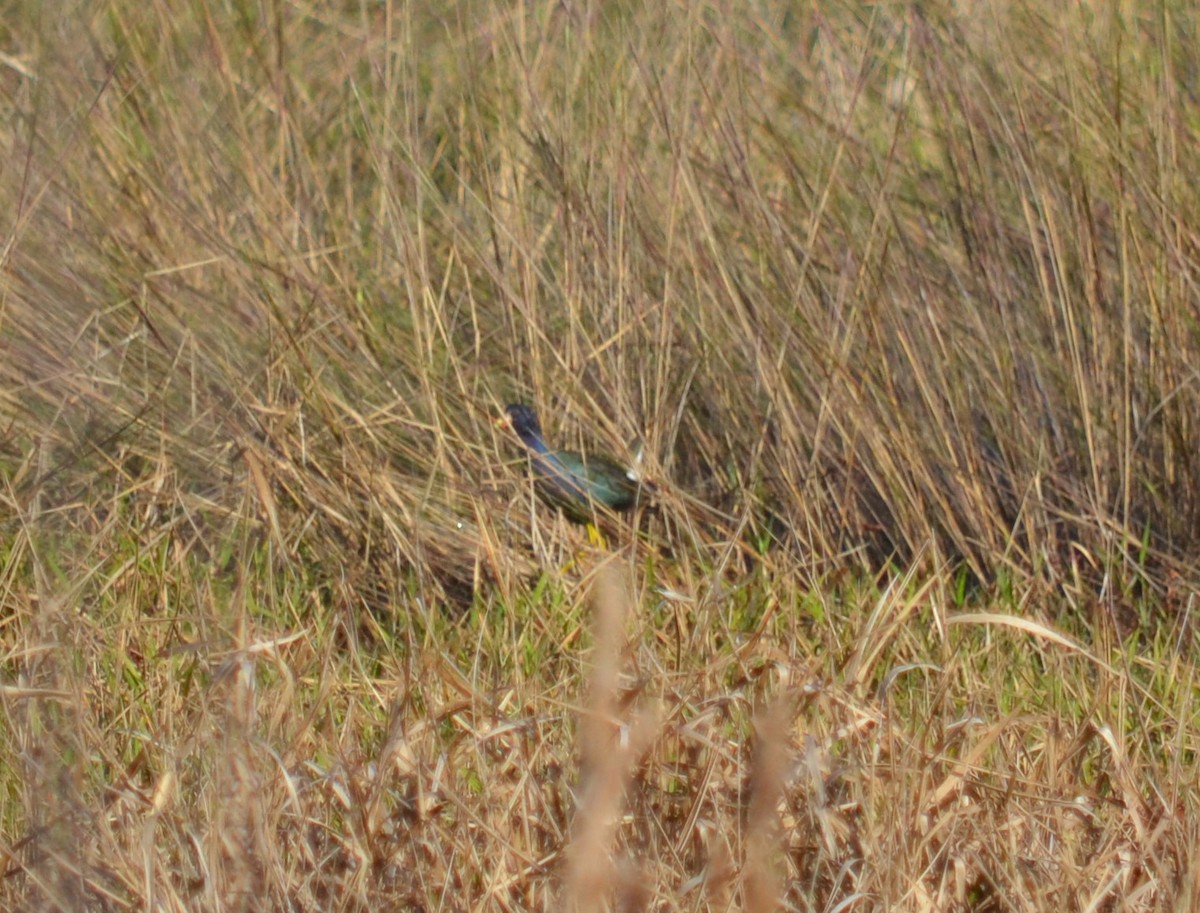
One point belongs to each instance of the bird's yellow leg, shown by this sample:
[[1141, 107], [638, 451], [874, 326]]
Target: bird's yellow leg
[[595, 537]]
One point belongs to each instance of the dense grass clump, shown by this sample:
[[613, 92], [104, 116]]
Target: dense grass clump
[[899, 301]]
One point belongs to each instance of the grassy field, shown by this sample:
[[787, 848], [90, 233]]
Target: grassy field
[[903, 301]]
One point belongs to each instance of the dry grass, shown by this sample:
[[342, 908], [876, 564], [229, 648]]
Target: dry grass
[[901, 300]]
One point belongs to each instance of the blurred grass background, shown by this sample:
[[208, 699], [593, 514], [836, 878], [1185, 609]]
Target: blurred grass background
[[900, 297]]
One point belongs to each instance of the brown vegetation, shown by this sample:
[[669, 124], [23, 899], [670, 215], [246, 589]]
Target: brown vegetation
[[901, 299]]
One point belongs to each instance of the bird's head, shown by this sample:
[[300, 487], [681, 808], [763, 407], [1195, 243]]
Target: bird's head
[[521, 419]]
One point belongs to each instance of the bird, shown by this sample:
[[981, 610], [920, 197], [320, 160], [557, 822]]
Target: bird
[[575, 483]]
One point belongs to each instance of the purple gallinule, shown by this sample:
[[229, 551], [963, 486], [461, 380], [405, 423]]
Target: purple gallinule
[[575, 483]]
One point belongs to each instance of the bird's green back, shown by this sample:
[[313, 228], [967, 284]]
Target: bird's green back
[[607, 483]]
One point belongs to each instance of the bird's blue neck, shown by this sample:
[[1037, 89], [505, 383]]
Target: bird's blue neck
[[549, 464], [534, 442]]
